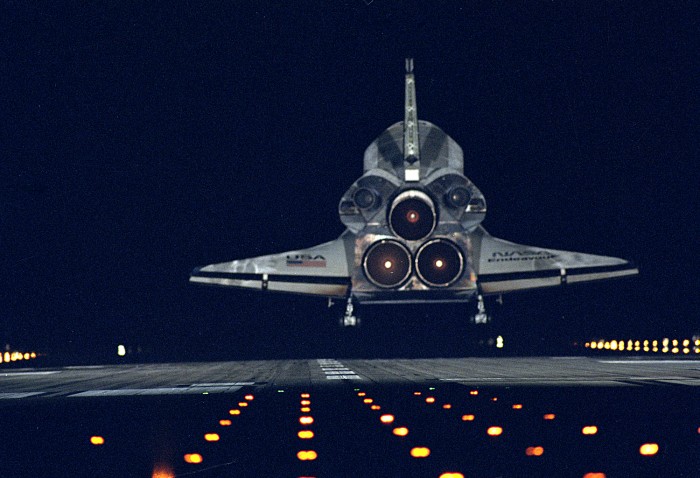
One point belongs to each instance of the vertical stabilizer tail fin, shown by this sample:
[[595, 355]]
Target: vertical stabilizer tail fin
[[411, 146]]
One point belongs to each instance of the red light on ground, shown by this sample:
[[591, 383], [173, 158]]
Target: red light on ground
[[494, 431], [534, 451], [306, 420], [420, 452], [194, 458], [549, 416], [97, 440], [467, 418], [249, 397], [649, 449], [400, 432], [307, 455], [212, 437], [225, 423]]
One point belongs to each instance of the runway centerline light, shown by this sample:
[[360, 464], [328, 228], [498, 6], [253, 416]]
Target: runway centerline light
[[305, 434], [234, 412], [400, 431], [451, 474], [193, 458], [306, 402], [387, 418], [97, 440], [306, 420], [307, 455], [518, 406], [225, 423], [305, 395], [242, 404], [430, 400], [467, 418], [474, 392], [212, 437], [649, 449], [305, 409], [447, 406], [249, 397], [549, 416], [594, 475], [420, 452], [534, 451], [368, 400], [494, 431], [589, 430]]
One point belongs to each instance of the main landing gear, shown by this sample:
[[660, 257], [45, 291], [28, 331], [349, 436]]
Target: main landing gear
[[349, 319], [481, 317]]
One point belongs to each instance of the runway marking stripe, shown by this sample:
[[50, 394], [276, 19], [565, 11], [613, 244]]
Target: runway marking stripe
[[155, 391], [28, 374], [16, 395], [334, 370]]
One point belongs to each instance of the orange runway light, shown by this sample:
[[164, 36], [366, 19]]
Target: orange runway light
[[242, 404], [416, 394], [305, 395], [162, 471], [534, 451], [400, 431], [494, 399], [305, 409], [306, 402], [249, 397], [518, 406], [194, 458], [451, 474], [420, 452], [473, 392], [447, 406], [361, 394], [97, 440], [234, 412], [430, 400], [306, 420], [307, 455], [494, 431], [387, 418], [467, 418], [305, 434], [649, 449], [368, 400], [549, 416], [225, 423], [594, 474], [375, 407], [589, 430], [212, 437]]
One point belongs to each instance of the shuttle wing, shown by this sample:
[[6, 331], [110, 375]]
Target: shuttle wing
[[321, 270], [504, 266]]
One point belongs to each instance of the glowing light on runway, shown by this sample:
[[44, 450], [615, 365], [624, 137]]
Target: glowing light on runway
[[307, 455], [305, 409], [447, 406], [451, 474], [420, 452], [375, 407], [242, 404], [594, 475], [249, 397], [430, 400], [549, 416], [534, 451], [518, 406], [225, 423], [649, 449], [361, 394], [305, 395], [468, 418], [474, 392], [417, 394], [306, 402], [234, 412], [387, 418], [306, 420], [162, 471], [665, 345], [305, 434], [494, 431], [400, 431], [97, 440], [589, 430], [193, 458], [367, 400], [211, 437]]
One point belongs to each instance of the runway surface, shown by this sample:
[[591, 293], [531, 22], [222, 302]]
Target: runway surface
[[557, 416]]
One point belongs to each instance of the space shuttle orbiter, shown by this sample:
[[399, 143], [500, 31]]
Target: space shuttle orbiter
[[413, 235]]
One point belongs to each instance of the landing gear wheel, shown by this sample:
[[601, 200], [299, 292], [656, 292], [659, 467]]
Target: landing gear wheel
[[481, 317], [349, 319]]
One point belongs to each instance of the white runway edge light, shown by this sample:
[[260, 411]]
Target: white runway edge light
[[387, 264]]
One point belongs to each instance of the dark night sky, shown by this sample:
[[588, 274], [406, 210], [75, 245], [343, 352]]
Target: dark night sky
[[138, 142]]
